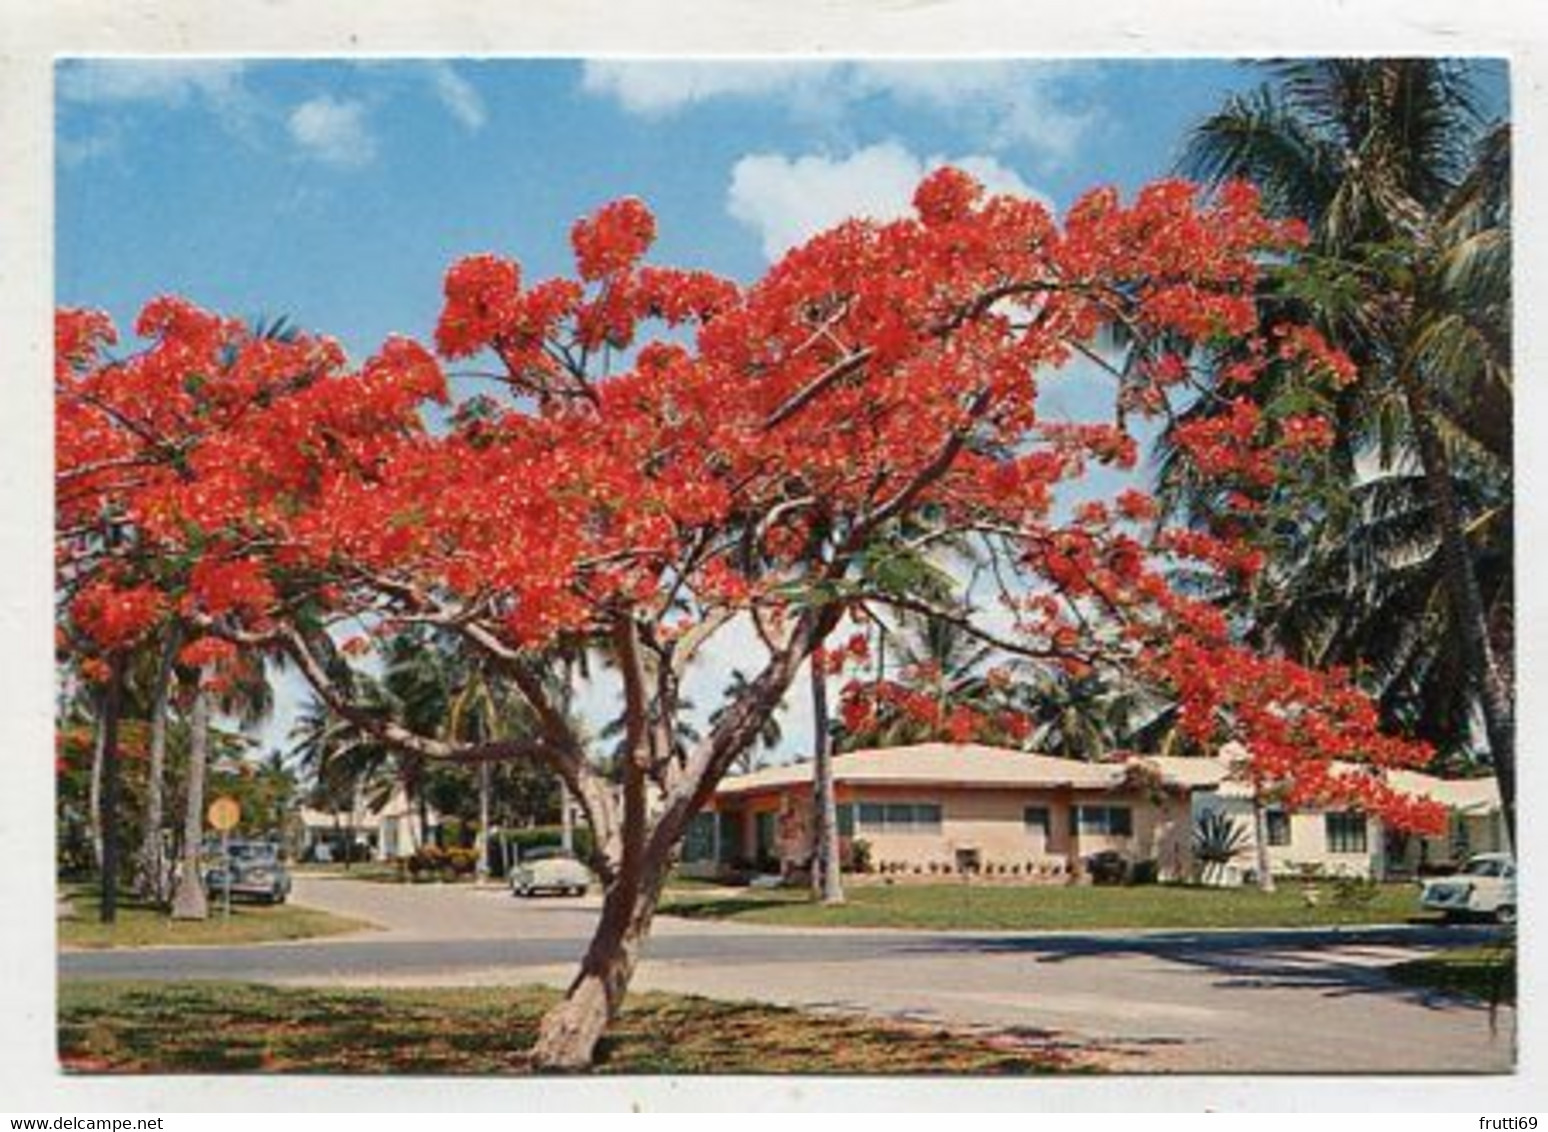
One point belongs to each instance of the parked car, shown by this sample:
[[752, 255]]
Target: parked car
[[256, 871], [549, 870], [1485, 886]]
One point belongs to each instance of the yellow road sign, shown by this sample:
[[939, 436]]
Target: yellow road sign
[[224, 813]]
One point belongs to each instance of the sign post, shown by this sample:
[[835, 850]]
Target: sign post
[[224, 813]]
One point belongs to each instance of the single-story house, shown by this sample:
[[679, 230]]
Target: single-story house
[[945, 808], [388, 831], [1346, 843], [936, 808]]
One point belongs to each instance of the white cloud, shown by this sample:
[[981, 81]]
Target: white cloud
[[215, 86], [458, 96], [171, 82], [660, 87], [1007, 102], [786, 200], [333, 131], [999, 103]]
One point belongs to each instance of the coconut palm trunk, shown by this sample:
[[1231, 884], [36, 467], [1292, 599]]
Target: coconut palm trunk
[[1461, 579], [827, 879], [94, 790], [112, 702], [153, 863], [188, 898], [481, 844], [1262, 864]]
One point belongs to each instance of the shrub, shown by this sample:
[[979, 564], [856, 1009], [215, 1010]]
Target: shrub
[[462, 861], [860, 856], [1107, 867], [1354, 892], [427, 859], [1145, 872]]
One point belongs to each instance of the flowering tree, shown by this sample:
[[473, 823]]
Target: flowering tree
[[760, 460]]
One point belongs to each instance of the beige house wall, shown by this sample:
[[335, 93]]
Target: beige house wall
[[1308, 847], [1466, 835], [988, 822]]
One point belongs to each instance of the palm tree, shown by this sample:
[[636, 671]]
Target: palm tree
[[942, 660], [245, 696], [1404, 185], [152, 864], [1086, 717], [343, 762], [769, 735]]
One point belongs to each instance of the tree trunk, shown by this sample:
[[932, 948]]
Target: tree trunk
[[153, 858], [566, 819], [481, 844], [569, 1032], [94, 792], [422, 805], [188, 899], [109, 816], [1265, 869], [1472, 623], [827, 879]]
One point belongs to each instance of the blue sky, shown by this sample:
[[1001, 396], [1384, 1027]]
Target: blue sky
[[337, 193]]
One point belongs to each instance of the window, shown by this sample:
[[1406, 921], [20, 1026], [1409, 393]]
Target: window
[[1346, 833], [1035, 818], [846, 820], [1278, 825], [1114, 821], [699, 841], [765, 834], [730, 838], [899, 817]]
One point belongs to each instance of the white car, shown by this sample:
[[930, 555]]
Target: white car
[[550, 870], [1486, 886]]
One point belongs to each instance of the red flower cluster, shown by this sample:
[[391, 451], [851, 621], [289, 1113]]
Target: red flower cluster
[[481, 298], [114, 616], [879, 376], [614, 239]]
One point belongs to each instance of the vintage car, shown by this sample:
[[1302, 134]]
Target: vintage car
[[1485, 886], [549, 869], [256, 872]]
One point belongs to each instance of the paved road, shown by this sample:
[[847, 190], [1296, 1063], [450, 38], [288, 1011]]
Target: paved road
[[1268, 1001]]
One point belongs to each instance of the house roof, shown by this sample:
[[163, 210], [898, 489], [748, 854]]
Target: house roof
[[1197, 773], [945, 764], [365, 816], [971, 765], [1466, 795]]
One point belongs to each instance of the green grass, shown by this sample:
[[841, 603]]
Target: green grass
[[1011, 908], [1487, 973], [123, 1027], [141, 925]]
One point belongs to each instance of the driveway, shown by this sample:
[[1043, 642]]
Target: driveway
[[1162, 1001]]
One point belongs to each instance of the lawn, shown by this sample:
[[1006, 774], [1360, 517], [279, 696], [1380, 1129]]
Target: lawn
[[141, 925], [1487, 973], [121, 1027], [981, 907]]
